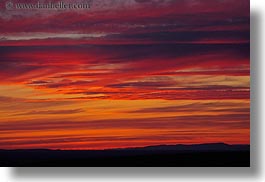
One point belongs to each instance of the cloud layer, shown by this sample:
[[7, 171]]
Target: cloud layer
[[125, 73]]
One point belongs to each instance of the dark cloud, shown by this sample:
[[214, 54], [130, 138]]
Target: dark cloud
[[188, 36], [27, 64]]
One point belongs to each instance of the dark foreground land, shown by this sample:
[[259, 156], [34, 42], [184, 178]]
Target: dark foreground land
[[202, 155]]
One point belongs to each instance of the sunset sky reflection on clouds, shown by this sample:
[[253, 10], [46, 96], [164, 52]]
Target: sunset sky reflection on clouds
[[125, 74]]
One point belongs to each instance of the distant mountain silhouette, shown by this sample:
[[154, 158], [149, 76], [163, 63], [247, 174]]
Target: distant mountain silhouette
[[207, 155], [178, 147], [193, 147]]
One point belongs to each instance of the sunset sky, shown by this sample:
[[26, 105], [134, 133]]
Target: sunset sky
[[125, 73]]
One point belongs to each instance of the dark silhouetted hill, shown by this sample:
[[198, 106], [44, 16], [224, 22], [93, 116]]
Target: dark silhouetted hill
[[204, 155]]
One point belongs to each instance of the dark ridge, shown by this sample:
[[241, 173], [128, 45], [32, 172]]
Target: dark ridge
[[193, 147], [206, 146], [198, 155]]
